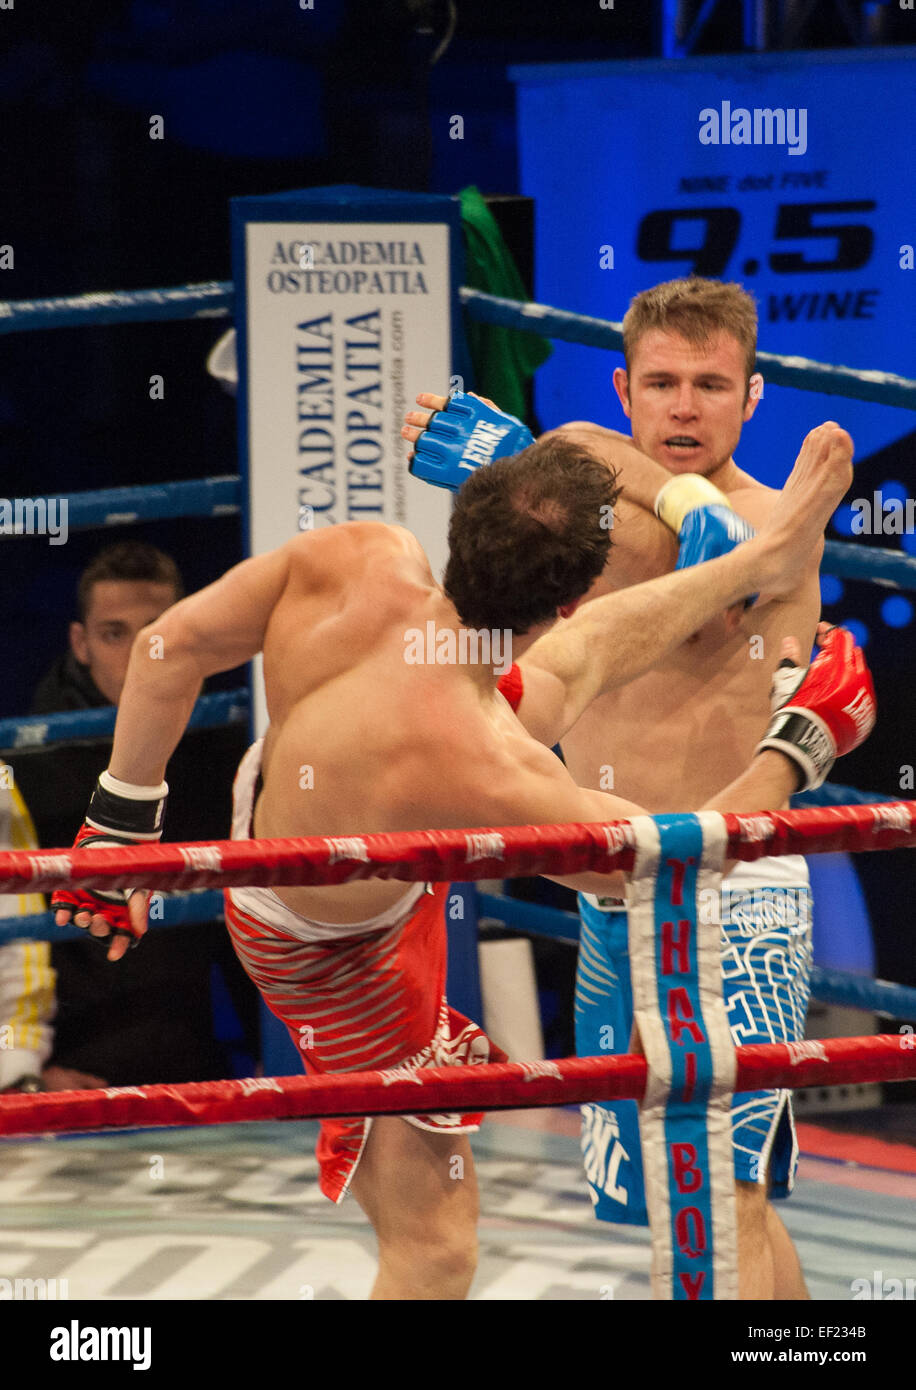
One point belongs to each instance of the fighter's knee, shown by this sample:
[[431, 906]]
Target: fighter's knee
[[439, 1258], [456, 1256]]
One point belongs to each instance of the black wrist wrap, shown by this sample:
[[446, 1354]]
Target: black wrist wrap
[[108, 811]]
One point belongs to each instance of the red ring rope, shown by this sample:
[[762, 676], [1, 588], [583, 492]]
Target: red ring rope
[[440, 856], [486, 1086]]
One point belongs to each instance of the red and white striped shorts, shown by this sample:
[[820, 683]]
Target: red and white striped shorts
[[363, 1003]]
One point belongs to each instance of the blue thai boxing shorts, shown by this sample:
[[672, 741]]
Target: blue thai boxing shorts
[[765, 913]]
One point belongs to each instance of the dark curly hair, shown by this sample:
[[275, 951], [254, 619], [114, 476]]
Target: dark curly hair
[[529, 534]]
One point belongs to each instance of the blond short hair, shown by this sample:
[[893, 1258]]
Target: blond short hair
[[697, 309]]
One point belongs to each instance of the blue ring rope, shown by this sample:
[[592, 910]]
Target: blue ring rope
[[178, 910], [183, 909], [119, 506], [800, 372], [38, 730], [891, 569], [832, 794], [216, 298], [212, 300], [221, 496], [829, 986]]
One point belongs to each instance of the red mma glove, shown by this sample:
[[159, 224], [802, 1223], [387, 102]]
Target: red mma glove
[[823, 710], [119, 814]]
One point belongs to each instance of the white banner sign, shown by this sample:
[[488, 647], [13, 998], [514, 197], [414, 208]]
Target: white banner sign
[[345, 323]]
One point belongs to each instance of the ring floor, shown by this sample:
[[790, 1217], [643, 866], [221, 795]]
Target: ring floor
[[234, 1212]]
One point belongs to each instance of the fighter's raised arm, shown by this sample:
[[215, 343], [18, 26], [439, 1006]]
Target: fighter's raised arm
[[662, 521], [219, 627], [818, 713], [614, 639]]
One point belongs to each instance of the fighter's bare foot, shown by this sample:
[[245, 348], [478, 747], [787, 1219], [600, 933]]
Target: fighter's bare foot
[[813, 490]]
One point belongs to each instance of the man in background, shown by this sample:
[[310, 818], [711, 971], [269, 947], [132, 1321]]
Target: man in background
[[125, 587], [155, 1023]]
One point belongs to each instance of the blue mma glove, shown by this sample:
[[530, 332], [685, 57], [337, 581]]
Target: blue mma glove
[[466, 435], [705, 524]]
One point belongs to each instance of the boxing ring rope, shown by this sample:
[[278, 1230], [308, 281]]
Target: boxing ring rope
[[216, 299], [211, 299], [828, 986], [690, 1071], [485, 1086], [35, 730], [179, 909], [439, 856], [685, 1081], [183, 909], [801, 372], [221, 496]]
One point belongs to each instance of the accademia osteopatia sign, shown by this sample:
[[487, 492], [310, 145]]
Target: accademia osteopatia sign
[[346, 322]]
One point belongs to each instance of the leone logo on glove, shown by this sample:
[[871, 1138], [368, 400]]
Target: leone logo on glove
[[468, 434], [482, 444]]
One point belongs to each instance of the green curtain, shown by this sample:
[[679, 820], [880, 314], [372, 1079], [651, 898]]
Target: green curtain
[[503, 358]]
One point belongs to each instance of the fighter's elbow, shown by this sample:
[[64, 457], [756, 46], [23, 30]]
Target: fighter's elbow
[[167, 648]]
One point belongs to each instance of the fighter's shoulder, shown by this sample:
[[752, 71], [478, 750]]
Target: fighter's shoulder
[[330, 548], [522, 757]]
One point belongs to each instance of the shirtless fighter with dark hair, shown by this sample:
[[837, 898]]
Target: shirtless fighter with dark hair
[[397, 745]]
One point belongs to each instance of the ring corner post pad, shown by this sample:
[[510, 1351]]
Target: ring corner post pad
[[679, 1011]]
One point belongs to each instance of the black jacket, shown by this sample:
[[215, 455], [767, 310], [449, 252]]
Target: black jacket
[[67, 685]]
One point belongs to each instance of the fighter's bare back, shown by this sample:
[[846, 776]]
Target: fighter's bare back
[[360, 739]]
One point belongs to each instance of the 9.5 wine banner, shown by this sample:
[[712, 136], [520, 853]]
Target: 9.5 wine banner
[[789, 173]]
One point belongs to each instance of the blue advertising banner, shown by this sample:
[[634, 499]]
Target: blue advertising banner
[[791, 174]]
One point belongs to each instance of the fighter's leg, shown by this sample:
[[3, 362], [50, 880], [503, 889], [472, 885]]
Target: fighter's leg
[[789, 1282], [766, 964], [756, 1271], [768, 1266], [419, 1190]]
